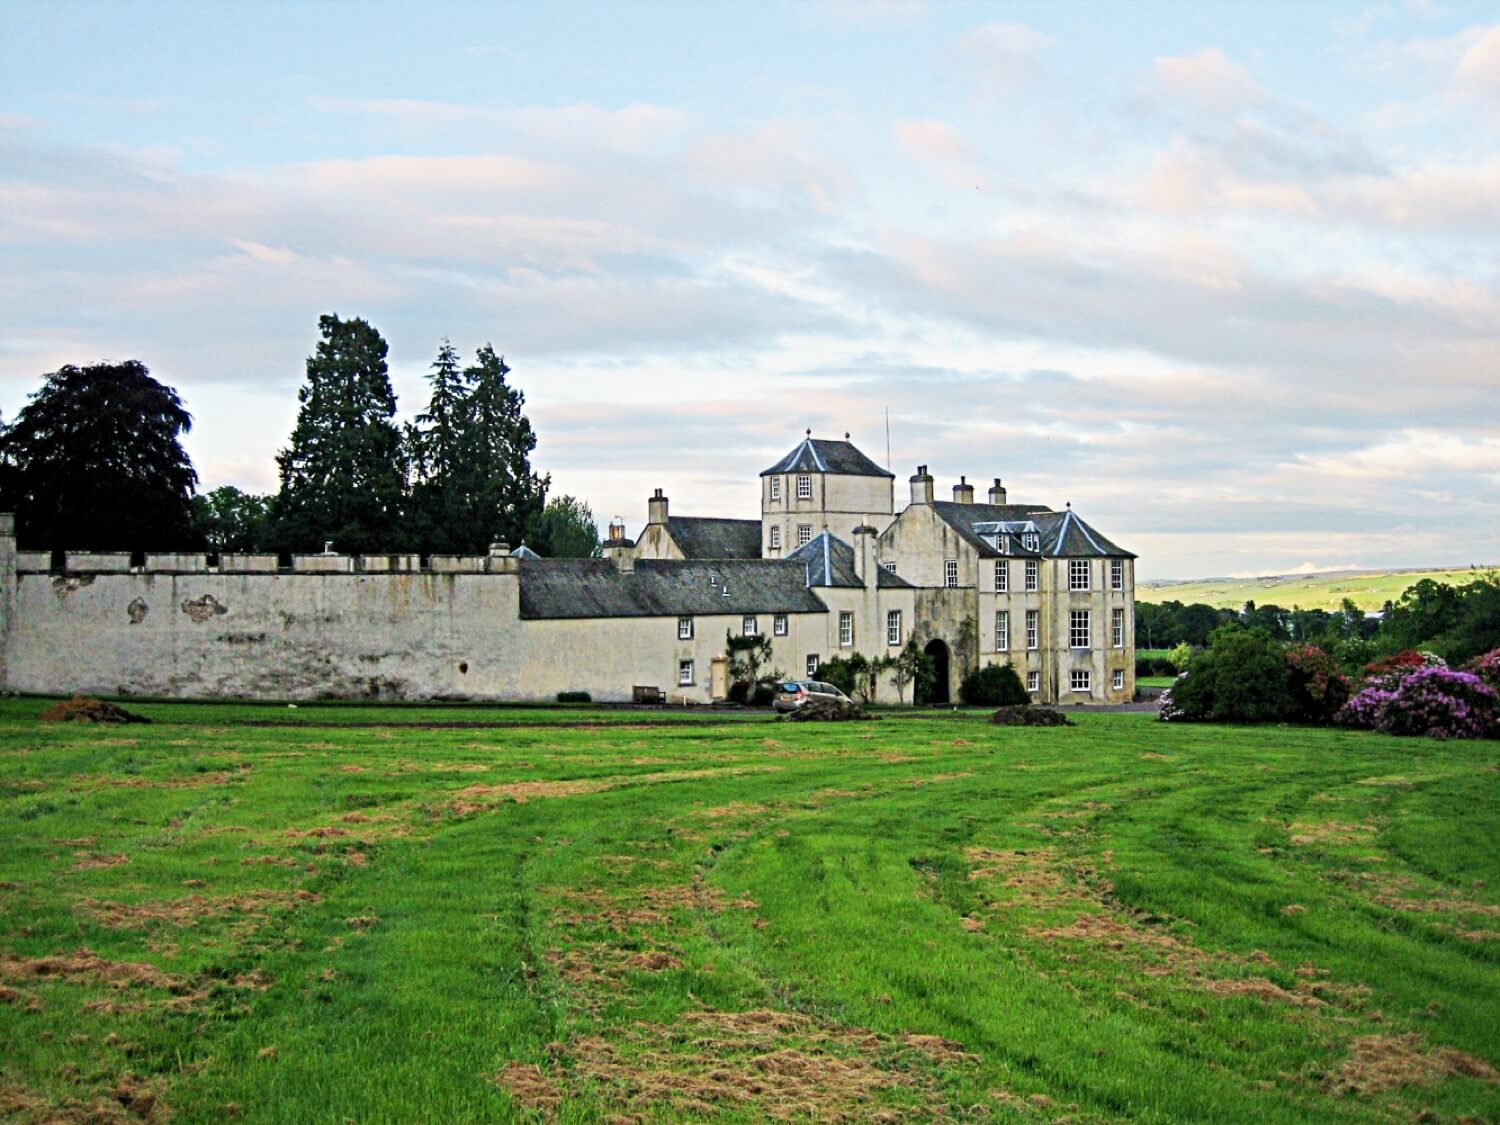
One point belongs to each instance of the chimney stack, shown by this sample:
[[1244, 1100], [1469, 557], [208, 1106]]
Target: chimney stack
[[963, 491], [865, 565], [997, 492], [656, 508], [921, 486]]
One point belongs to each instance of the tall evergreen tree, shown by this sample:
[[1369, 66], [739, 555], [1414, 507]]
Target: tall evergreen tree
[[436, 444], [94, 462], [565, 530], [492, 489], [343, 476]]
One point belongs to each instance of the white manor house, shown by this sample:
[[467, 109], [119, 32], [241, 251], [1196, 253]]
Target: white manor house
[[830, 569]]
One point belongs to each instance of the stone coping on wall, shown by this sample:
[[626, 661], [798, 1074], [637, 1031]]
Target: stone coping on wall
[[124, 562]]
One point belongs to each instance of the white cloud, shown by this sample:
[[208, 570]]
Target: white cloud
[[1006, 54], [1478, 71], [1209, 78]]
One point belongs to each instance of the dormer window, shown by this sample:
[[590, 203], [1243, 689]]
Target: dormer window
[[1031, 541], [804, 487]]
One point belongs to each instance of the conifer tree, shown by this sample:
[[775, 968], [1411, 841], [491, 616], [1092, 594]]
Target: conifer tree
[[435, 447], [494, 486], [343, 475]]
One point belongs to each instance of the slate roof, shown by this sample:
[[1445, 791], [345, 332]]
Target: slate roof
[[574, 588], [524, 552], [815, 455], [962, 518], [1063, 534], [829, 561], [709, 538]]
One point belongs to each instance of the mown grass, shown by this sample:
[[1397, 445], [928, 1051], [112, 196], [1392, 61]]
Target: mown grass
[[925, 917]]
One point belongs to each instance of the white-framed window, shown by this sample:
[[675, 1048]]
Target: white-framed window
[[1033, 628], [1033, 575], [1033, 681], [1078, 574], [846, 628], [812, 664], [890, 566], [684, 628], [1081, 679], [893, 627], [1078, 628], [1031, 541], [775, 488], [1117, 628], [1002, 576], [778, 625], [749, 627], [1117, 574], [950, 573], [1119, 679], [804, 534], [1002, 543], [804, 488], [1002, 630], [684, 673], [775, 534]]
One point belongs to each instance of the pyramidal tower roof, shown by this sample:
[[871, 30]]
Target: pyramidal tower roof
[[815, 455]]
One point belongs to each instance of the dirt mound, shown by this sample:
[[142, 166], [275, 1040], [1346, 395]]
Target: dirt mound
[[820, 711], [1025, 715], [82, 709]]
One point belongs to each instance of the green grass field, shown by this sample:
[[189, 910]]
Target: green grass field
[[918, 918], [1369, 589]]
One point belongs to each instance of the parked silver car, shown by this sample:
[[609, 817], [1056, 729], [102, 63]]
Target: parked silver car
[[799, 693]]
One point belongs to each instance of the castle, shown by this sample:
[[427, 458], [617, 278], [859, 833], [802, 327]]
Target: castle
[[830, 569]]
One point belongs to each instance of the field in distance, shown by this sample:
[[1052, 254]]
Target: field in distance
[[925, 917], [1370, 589]]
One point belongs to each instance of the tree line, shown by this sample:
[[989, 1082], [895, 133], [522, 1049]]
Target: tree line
[[1458, 621], [94, 461]]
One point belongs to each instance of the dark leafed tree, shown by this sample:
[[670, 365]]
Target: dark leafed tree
[[94, 462], [228, 520], [495, 489], [565, 530], [343, 476]]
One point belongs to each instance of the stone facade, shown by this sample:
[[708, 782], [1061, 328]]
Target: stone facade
[[653, 613]]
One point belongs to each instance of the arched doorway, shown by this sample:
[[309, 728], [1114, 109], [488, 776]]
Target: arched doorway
[[937, 692]]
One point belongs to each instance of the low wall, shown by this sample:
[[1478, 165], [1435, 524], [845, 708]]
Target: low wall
[[292, 636]]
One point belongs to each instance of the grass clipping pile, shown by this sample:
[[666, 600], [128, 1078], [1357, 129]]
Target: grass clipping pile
[[1025, 715], [83, 709], [777, 1066], [823, 711]]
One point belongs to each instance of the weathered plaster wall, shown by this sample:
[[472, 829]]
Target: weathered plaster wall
[[263, 635]]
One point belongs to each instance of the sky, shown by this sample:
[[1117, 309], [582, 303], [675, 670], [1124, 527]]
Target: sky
[[1225, 277]]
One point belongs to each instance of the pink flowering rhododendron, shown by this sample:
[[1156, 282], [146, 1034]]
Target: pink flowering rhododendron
[[1431, 701], [1487, 668]]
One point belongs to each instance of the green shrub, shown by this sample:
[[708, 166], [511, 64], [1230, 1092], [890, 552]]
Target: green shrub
[[762, 695], [994, 685], [843, 673], [574, 697], [1242, 677]]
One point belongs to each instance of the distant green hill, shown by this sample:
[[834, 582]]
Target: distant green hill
[[1370, 589]]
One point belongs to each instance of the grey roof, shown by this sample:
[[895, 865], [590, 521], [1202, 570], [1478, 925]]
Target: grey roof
[[829, 561], [815, 455], [709, 538], [963, 519], [1064, 535], [572, 588], [524, 552]]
